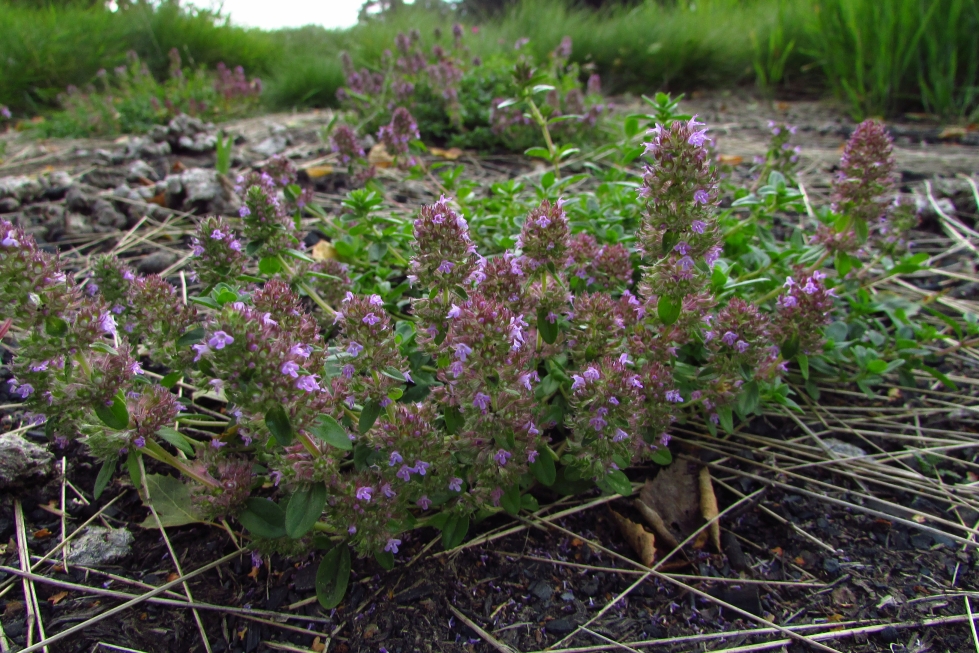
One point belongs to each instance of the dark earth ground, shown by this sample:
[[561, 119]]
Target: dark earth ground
[[788, 556]]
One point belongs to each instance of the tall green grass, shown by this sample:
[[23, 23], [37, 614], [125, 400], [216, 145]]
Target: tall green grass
[[882, 57]]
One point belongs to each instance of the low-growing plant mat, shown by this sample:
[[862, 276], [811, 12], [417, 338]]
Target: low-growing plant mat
[[850, 526]]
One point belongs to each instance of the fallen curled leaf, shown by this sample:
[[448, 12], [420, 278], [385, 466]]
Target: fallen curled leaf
[[777, 552], [641, 541], [177, 167], [783, 106], [730, 159], [317, 645], [656, 523], [673, 495], [835, 618], [378, 156], [55, 599], [315, 172], [799, 560], [843, 597], [42, 534], [323, 251], [160, 199], [254, 572], [143, 181], [575, 542], [172, 576], [708, 508], [451, 154]]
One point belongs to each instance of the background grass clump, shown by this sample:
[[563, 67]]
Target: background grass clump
[[880, 58]]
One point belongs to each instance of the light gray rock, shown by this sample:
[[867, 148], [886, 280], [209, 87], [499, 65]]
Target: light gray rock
[[271, 146], [140, 169], [76, 200], [106, 215], [23, 189], [56, 183], [98, 546], [200, 185], [844, 449], [77, 224], [22, 461], [156, 262], [155, 150], [9, 205], [202, 142]]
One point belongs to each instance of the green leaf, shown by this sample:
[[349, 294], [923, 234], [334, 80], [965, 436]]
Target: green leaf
[[385, 559], [454, 531], [263, 518], [511, 500], [105, 475], [116, 414], [539, 152], [269, 265], [529, 503], [172, 501], [861, 230], [279, 425], [135, 474], [547, 179], [304, 509], [668, 310], [171, 379], [454, 420], [368, 416], [941, 377], [55, 326], [726, 418], [661, 456], [877, 366], [619, 482], [332, 576], [803, 361], [749, 398], [329, 431], [843, 263], [177, 439], [631, 126], [192, 337], [548, 330], [543, 468]]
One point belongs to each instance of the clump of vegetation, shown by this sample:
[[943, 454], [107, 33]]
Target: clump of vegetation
[[131, 100]]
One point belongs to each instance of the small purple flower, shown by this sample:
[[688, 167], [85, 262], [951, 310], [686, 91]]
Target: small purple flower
[[24, 391], [635, 382], [698, 226], [9, 240], [532, 456], [395, 459], [268, 321], [454, 312], [244, 212], [682, 248], [531, 428], [219, 340], [371, 319], [217, 234], [424, 502], [501, 457], [308, 383], [481, 401], [810, 287], [729, 338], [354, 349], [39, 367], [364, 494], [201, 349], [591, 374], [290, 368], [217, 444], [348, 371], [392, 545], [598, 423], [462, 351], [387, 491], [700, 197], [455, 369], [352, 530], [276, 477], [139, 442], [302, 351], [404, 473], [577, 382], [620, 435], [235, 245], [407, 375], [455, 484], [445, 267], [741, 346], [107, 323], [674, 396], [421, 467]]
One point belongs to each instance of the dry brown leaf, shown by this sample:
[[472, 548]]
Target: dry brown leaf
[[254, 572], [159, 199], [708, 508], [42, 534], [315, 172], [656, 523], [952, 132], [378, 156], [323, 251], [172, 576], [317, 645], [673, 495], [730, 159], [177, 167], [451, 154], [783, 106], [641, 541], [777, 552], [55, 599]]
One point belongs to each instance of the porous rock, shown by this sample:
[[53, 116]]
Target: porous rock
[[200, 185], [98, 546], [23, 189], [22, 461]]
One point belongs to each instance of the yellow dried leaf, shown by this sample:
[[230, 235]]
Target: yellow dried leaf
[[315, 172], [323, 251], [641, 541], [654, 519], [708, 507], [378, 156], [730, 159], [451, 154], [317, 645]]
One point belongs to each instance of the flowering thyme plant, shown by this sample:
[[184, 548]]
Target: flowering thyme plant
[[455, 379]]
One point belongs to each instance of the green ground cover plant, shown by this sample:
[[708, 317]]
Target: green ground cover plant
[[449, 362]]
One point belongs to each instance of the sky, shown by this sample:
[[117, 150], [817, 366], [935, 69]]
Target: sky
[[276, 14]]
